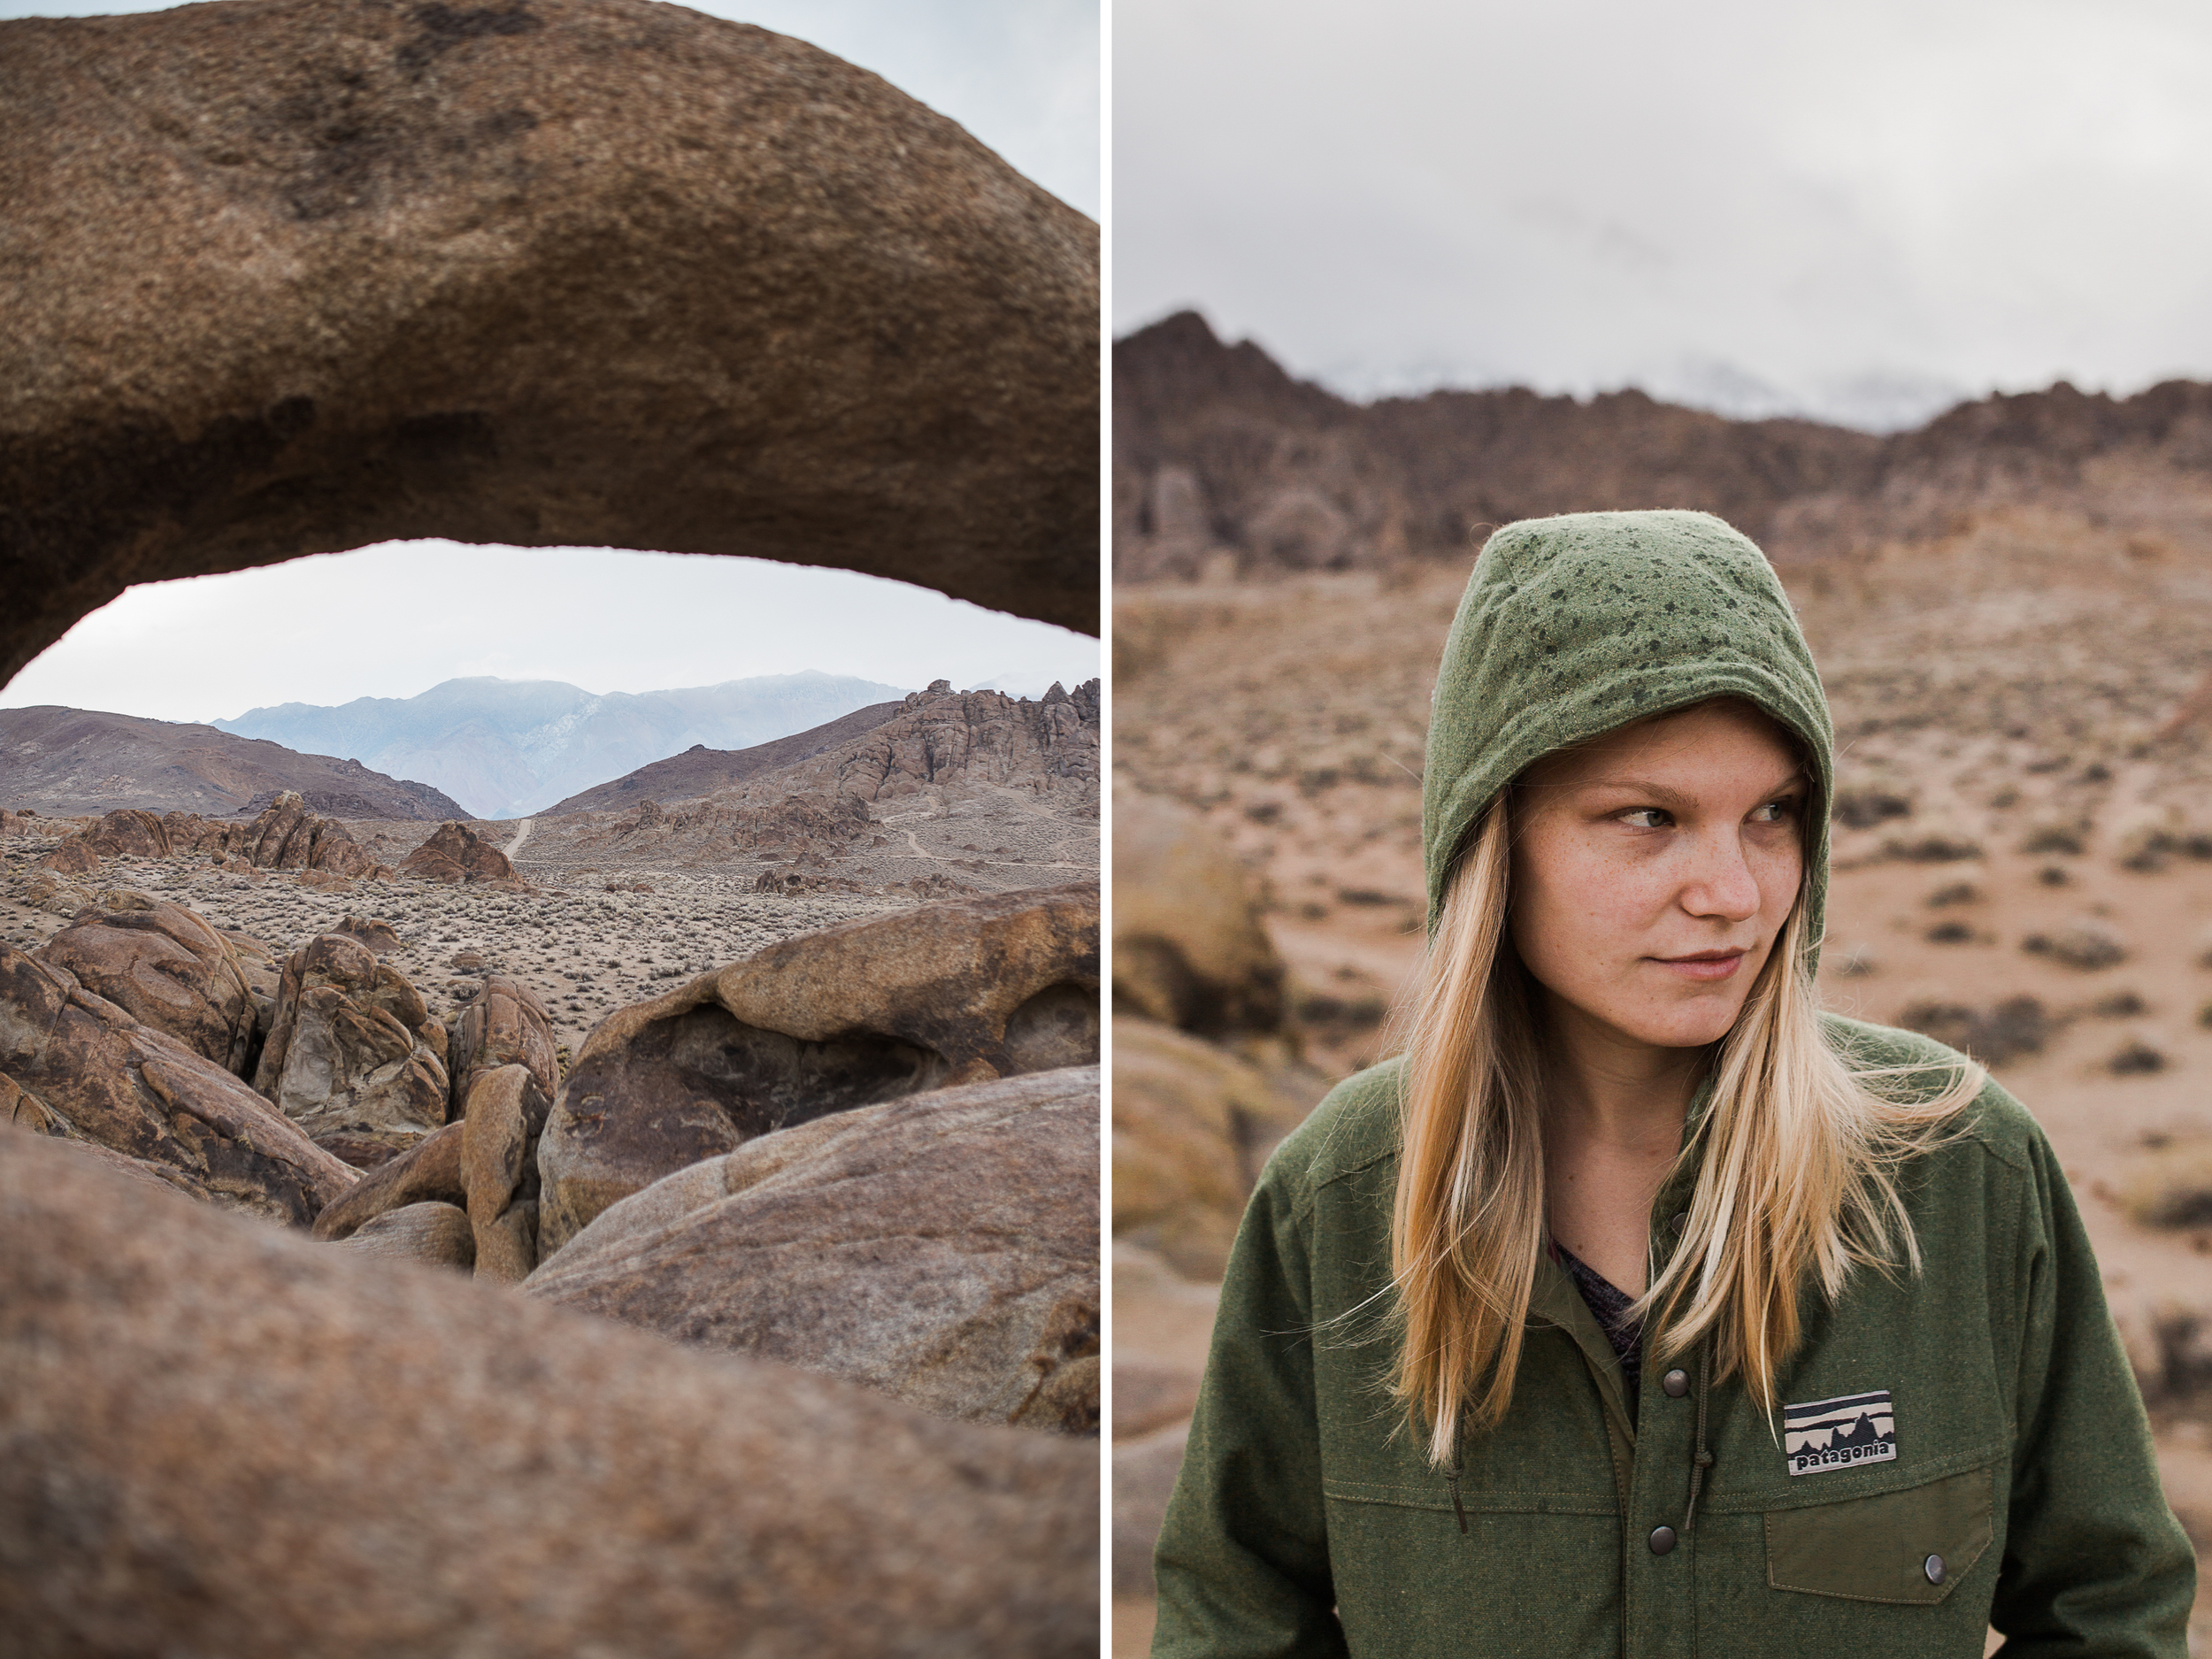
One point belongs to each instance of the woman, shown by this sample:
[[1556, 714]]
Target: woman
[[1638, 1308]]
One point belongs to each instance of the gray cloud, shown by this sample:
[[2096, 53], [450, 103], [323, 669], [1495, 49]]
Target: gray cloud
[[1861, 212]]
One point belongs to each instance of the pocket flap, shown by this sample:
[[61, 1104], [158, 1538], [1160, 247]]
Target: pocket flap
[[1880, 1548]]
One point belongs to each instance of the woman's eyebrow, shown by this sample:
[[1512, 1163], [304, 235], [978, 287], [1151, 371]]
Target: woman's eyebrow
[[1659, 793]]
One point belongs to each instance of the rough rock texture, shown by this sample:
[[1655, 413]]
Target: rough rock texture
[[354, 1056], [435, 1234], [225, 1440], [951, 993], [52, 891], [504, 1024], [1192, 1126], [506, 1111], [163, 965], [944, 1248], [1188, 948], [287, 835], [99, 1075], [78, 760], [378, 936], [456, 853], [431, 1170], [287, 248], [72, 858]]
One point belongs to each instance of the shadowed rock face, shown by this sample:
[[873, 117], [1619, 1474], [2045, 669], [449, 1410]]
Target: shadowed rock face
[[456, 853], [942, 1247], [959, 992], [222, 1439], [316, 273]]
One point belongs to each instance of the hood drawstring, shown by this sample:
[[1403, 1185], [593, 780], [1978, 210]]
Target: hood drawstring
[[1701, 1459]]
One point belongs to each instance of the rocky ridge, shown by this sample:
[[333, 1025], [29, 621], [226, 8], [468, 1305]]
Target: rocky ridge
[[62, 762], [1223, 462]]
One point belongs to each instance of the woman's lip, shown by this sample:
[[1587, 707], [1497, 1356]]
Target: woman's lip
[[1706, 965]]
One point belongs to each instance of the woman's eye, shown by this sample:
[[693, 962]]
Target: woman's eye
[[1774, 812], [1645, 817]]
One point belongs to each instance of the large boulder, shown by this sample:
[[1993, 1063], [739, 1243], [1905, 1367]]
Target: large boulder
[[354, 1056], [866, 1011], [431, 1170], [1188, 947], [288, 835], [432, 1234], [166, 967], [95, 1073], [504, 1024], [456, 853], [944, 1248], [499, 1168], [223, 1439], [129, 833], [1192, 1126]]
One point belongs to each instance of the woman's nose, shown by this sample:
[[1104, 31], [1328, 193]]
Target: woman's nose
[[1722, 883]]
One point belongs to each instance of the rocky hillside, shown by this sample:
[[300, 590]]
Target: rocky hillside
[[700, 771], [1223, 462], [959, 791], [62, 762], [508, 748]]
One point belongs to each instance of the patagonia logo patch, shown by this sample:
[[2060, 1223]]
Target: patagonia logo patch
[[1839, 1433]]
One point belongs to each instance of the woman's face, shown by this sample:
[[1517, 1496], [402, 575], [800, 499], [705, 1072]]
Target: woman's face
[[1653, 869]]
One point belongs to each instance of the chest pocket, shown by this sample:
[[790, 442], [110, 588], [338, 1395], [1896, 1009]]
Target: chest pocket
[[1910, 1547]]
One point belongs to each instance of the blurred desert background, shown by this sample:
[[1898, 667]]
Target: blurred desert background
[[2011, 606]]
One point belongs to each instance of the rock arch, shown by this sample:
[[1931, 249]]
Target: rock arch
[[293, 276]]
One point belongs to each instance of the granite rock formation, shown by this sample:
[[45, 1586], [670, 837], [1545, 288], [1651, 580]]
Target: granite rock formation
[[456, 853], [700, 771], [957, 992], [504, 1024], [287, 251], [226, 1440], [354, 1056], [166, 967], [506, 1112], [430, 1234], [942, 1247], [75, 1065], [433, 1170], [1188, 947]]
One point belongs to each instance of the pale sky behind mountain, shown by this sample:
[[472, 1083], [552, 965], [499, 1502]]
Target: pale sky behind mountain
[[391, 621], [1863, 212]]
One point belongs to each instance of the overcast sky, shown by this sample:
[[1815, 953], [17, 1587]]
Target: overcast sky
[[1022, 76], [1864, 210]]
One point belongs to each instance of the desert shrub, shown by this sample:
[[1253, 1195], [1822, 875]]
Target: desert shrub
[[1950, 934], [1955, 893], [2013, 1028], [2085, 945], [2045, 839], [2119, 1005], [1863, 807], [2173, 1189], [2136, 1058]]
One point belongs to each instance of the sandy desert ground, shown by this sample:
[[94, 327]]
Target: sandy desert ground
[[2026, 759], [585, 948]]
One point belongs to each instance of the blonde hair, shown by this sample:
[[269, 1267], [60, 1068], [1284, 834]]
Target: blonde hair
[[1795, 1159]]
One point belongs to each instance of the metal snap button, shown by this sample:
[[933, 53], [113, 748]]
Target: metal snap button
[[1663, 1540], [1677, 1383], [1933, 1568]]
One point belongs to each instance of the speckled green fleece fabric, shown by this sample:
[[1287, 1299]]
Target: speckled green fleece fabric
[[1957, 1448]]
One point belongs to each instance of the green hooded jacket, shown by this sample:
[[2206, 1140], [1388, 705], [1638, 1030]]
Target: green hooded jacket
[[1957, 1448]]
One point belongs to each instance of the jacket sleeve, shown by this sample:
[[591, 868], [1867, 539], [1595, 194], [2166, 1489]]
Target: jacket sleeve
[[2095, 1563], [1243, 1557]]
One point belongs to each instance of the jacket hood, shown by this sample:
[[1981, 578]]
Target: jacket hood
[[1571, 627]]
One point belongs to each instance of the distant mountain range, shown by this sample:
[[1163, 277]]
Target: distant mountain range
[[701, 770], [510, 748], [66, 760]]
